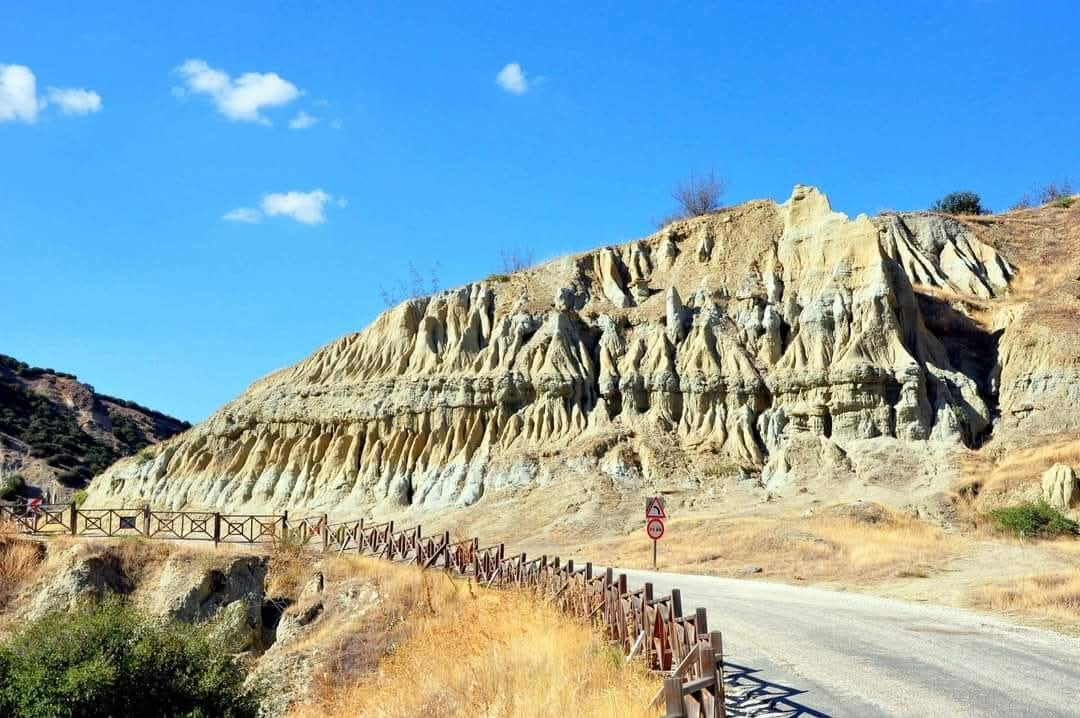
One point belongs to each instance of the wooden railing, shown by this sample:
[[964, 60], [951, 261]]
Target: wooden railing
[[646, 627]]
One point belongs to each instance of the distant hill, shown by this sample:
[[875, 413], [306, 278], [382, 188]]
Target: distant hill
[[56, 432]]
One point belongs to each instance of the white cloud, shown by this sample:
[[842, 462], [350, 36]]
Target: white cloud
[[242, 98], [512, 79], [18, 94], [302, 121], [306, 207], [243, 214], [19, 100], [75, 101]]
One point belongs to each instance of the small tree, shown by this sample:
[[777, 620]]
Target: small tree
[[959, 203], [698, 196]]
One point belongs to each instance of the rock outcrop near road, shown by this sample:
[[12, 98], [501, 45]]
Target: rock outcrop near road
[[777, 342]]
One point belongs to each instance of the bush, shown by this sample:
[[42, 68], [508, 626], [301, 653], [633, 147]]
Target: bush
[[959, 203], [106, 659], [79, 497], [515, 260], [1030, 520], [1057, 194], [698, 196], [11, 486]]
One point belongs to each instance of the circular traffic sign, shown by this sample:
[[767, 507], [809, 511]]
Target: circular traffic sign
[[655, 529]]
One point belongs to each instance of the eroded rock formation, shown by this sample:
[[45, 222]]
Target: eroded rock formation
[[735, 336]]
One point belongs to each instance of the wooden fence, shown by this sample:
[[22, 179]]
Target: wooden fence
[[646, 627]]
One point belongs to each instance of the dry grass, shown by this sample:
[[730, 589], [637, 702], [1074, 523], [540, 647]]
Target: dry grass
[[19, 561], [1013, 476], [1054, 596], [451, 649], [816, 548]]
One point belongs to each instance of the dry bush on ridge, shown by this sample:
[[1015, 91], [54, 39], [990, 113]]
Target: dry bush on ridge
[[515, 260], [697, 196], [416, 286], [1057, 193]]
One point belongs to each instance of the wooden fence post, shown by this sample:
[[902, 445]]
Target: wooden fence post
[[673, 701], [701, 623], [146, 521], [74, 514], [217, 529], [676, 603], [588, 571], [324, 528], [716, 645]]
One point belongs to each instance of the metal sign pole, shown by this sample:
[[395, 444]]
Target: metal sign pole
[[654, 554]]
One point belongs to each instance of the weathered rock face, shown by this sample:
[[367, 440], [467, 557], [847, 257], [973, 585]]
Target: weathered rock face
[[1058, 486], [737, 335]]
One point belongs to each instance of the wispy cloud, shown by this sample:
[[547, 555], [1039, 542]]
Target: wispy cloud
[[75, 101], [250, 215], [512, 79], [241, 99], [303, 207], [302, 121], [19, 100]]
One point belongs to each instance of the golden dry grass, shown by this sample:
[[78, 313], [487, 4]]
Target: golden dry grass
[[452, 649], [815, 548], [19, 561], [1054, 596], [1013, 476]]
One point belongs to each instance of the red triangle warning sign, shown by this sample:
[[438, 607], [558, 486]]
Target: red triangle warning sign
[[654, 508]]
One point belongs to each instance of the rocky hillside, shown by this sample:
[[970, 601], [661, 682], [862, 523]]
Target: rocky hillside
[[765, 347], [56, 433]]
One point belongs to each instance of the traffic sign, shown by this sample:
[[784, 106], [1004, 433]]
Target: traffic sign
[[654, 508], [655, 529]]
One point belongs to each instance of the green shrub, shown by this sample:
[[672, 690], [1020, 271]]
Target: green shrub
[[79, 497], [1063, 202], [106, 659], [959, 203], [11, 486], [1028, 520]]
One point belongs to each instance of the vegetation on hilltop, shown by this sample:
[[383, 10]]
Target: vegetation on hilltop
[[53, 433], [959, 203]]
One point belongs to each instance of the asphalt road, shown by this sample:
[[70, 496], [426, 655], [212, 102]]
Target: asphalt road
[[796, 651]]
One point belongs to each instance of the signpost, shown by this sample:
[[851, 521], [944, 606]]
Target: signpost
[[654, 522]]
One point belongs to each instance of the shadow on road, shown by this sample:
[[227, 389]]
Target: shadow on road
[[751, 697]]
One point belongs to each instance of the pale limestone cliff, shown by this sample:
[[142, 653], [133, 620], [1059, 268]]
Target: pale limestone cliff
[[761, 339]]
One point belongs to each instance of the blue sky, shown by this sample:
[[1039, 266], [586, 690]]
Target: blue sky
[[146, 125]]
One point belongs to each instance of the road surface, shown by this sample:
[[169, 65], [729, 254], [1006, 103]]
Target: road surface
[[797, 651]]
